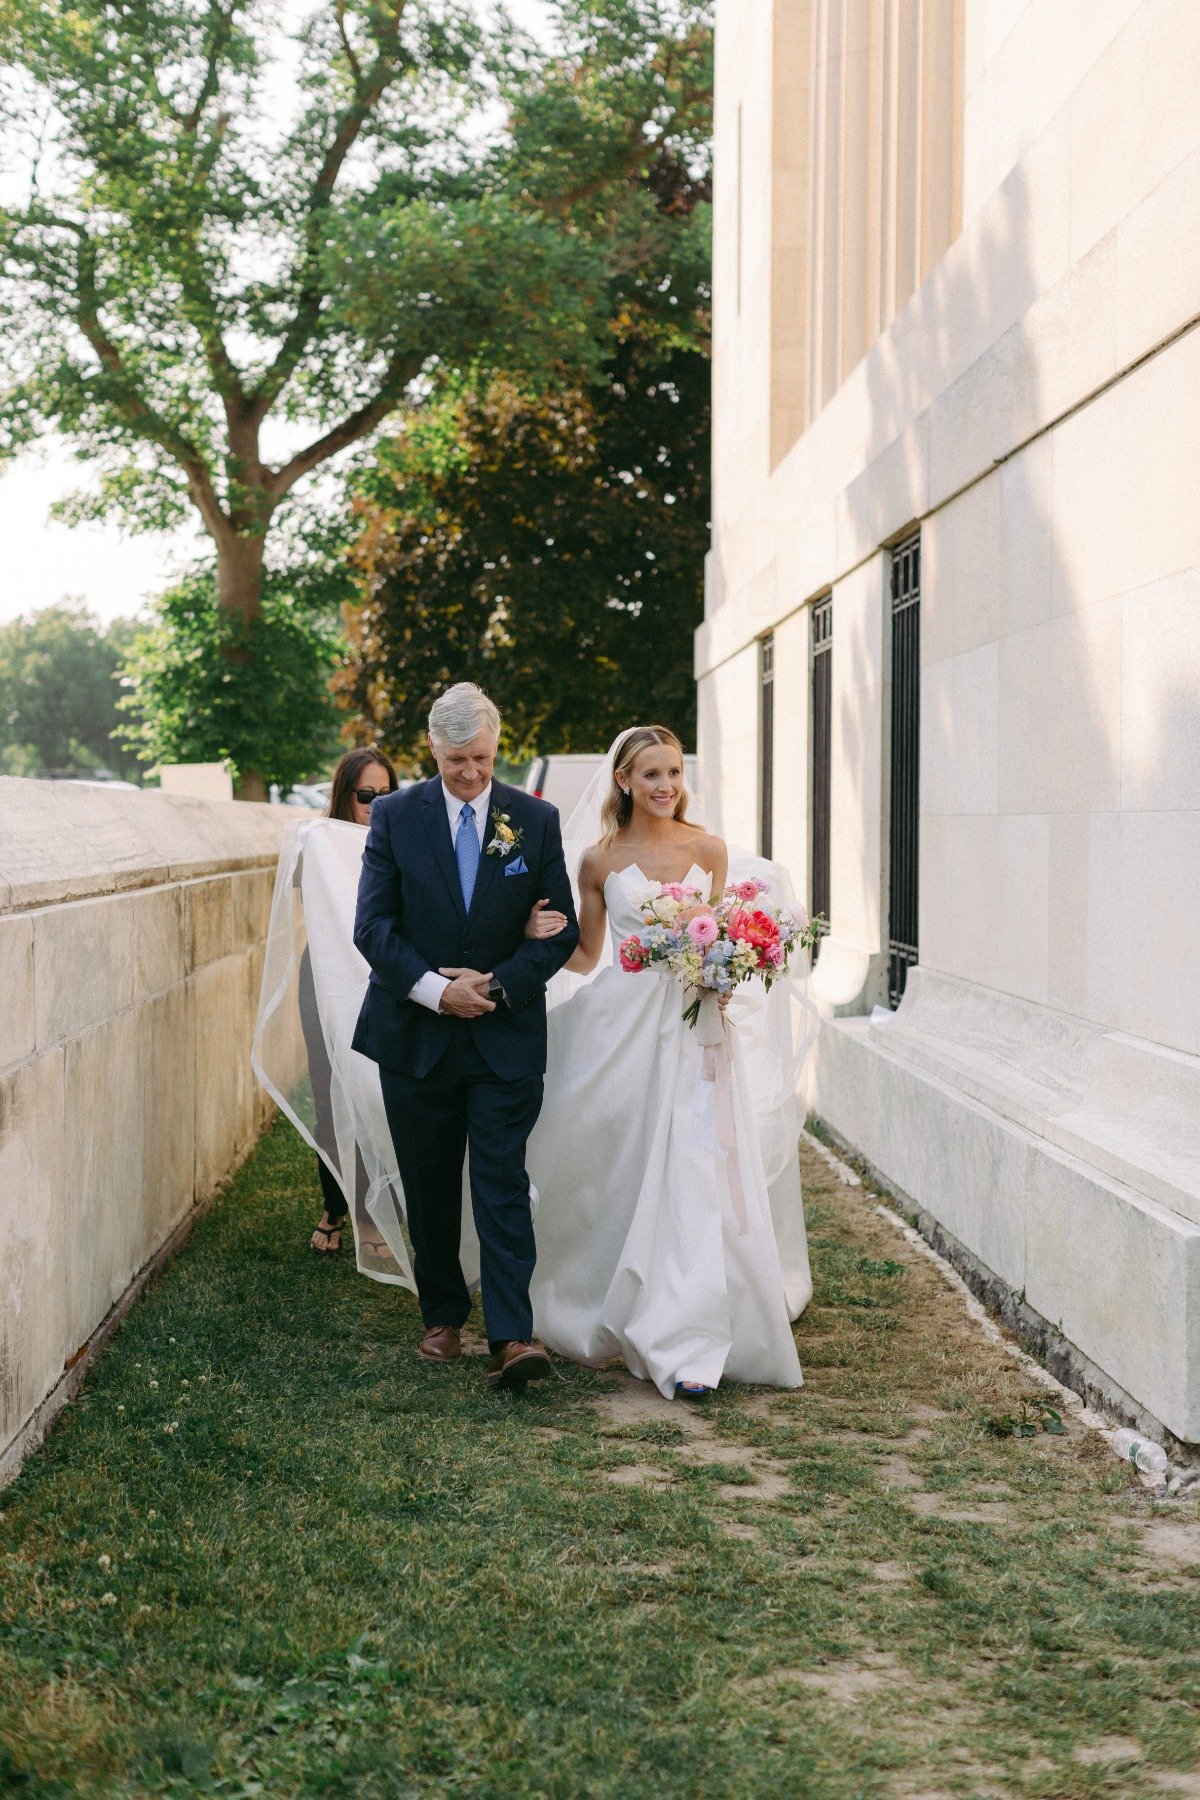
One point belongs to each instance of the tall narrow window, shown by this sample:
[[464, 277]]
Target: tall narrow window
[[821, 713], [906, 745], [766, 726]]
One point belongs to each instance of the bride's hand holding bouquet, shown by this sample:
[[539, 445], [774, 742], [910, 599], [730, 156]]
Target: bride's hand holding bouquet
[[715, 946]]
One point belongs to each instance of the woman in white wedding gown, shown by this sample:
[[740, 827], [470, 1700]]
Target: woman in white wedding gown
[[642, 1252]]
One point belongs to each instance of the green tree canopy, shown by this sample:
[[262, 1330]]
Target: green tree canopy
[[557, 559], [552, 545], [213, 290], [58, 692], [200, 688]]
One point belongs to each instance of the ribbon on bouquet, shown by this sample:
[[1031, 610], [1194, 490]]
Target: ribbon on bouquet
[[712, 1035]]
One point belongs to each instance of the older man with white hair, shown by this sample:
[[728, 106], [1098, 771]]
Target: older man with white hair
[[455, 1016]]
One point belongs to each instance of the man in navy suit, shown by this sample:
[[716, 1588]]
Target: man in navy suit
[[455, 1016]]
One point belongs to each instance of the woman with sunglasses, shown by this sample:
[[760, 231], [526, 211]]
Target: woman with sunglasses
[[359, 779]]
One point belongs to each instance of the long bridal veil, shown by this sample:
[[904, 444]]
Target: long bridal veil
[[312, 989]]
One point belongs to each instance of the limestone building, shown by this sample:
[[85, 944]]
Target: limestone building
[[950, 665]]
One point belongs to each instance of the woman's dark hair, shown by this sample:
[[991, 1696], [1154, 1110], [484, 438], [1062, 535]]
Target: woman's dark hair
[[347, 776]]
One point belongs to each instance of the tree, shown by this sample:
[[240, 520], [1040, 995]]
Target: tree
[[560, 562], [552, 545], [183, 275], [201, 689], [58, 692]]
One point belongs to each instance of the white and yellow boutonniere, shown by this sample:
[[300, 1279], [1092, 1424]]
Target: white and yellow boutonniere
[[505, 837]]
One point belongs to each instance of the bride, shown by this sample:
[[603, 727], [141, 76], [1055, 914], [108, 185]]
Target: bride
[[656, 1241], [640, 1250]]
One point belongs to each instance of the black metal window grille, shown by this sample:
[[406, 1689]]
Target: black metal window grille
[[905, 771], [822, 746], [766, 725]]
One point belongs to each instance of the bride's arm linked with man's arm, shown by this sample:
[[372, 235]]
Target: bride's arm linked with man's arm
[[525, 973], [546, 923], [396, 961]]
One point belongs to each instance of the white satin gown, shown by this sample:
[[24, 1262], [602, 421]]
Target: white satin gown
[[639, 1250]]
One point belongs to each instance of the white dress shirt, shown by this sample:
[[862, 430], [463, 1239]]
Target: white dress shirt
[[429, 989]]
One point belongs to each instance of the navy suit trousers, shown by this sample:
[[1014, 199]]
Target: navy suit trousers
[[462, 1103]]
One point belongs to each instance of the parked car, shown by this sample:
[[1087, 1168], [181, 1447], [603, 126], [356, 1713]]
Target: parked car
[[562, 779], [314, 794]]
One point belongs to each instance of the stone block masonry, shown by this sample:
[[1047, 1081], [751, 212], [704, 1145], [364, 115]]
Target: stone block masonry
[[132, 929]]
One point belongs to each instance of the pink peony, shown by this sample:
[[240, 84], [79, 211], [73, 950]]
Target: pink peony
[[749, 889], [694, 909], [703, 930], [774, 954], [632, 952], [673, 890]]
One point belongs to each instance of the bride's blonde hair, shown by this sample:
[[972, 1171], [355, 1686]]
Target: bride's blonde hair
[[618, 804]]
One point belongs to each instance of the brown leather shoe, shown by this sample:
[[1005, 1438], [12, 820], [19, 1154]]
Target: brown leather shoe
[[515, 1363], [441, 1344]]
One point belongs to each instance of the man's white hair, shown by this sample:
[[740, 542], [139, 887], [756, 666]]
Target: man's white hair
[[460, 714]]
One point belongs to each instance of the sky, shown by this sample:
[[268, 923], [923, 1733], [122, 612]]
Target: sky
[[112, 572]]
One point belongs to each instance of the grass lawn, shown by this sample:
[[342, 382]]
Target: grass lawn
[[268, 1552]]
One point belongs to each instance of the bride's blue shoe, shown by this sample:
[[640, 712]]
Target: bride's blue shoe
[[692, 1390]]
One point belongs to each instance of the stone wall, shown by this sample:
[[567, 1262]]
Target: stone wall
[[1029, 407], [131, 943]]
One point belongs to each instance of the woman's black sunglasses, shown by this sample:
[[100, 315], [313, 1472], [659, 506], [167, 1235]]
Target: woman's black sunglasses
[[365, 796]]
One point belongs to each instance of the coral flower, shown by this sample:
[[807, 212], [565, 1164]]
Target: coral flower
[[633, 955], [757, 928]]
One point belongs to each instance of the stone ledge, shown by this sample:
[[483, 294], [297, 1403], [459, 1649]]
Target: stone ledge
[[1063, 1359], [1126, 1106], [62, 841], [1114, 1273]]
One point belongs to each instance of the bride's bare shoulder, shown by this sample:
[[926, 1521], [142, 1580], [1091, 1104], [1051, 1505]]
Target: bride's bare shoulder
[[708, 844], [594, 866]]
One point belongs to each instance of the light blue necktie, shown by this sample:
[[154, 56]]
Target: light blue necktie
[[466, 854]]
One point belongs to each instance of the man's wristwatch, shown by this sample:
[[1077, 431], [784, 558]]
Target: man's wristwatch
[[496, 993]]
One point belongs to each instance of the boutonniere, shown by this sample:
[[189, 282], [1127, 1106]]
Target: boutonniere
[[506, 836]]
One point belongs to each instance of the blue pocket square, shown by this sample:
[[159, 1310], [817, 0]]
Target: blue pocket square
[[519, 867]]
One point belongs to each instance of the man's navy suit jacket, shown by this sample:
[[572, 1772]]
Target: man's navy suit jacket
[[411, 919]]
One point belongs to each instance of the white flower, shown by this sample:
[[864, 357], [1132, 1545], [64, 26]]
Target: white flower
[[105, 1562], [108, 1599]]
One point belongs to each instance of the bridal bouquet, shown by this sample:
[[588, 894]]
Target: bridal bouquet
[[714, 946]]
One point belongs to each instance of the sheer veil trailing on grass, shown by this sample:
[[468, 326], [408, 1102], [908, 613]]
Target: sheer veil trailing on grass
[[312, 988]]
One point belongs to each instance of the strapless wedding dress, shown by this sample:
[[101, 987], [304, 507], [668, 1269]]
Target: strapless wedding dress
[[640, 1254]]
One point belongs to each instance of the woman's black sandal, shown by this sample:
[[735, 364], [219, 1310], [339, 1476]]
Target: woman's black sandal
[[333, 1239]]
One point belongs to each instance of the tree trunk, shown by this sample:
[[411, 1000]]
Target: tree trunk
[[239, 592], [240, 575]]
